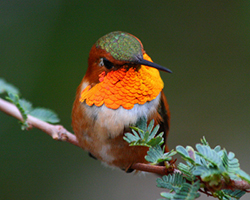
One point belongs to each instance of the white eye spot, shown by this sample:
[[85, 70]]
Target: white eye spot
[[101, 63]]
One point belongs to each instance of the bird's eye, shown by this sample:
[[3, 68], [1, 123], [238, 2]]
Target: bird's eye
[[107, 63]]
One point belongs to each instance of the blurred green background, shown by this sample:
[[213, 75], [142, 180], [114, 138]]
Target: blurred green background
[[44, 47]]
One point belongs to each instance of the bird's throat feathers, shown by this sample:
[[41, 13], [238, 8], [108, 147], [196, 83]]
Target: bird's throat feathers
[[124, 87]]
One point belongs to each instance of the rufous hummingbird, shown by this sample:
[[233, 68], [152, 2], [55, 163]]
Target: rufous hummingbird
[[122, 84]]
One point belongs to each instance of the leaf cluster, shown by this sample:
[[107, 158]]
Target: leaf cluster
[[25, 107], [179, 187], [143, 135], [213, 166], [205, 167]]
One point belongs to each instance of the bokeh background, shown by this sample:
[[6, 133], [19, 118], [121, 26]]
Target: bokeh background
[[44, 47]]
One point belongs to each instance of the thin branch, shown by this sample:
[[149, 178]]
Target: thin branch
[[162, 170], [58, 132]]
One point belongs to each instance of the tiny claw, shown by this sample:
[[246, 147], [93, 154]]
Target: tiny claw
[[128, 169]]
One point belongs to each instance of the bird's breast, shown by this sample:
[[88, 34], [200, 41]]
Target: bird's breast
[[100, 131], [114, 121]]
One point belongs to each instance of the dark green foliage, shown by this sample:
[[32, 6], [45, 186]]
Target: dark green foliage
[[212, 166], [156, 155], [185, 153], [187, 170], [45, 114], [171, 181], [229, 194], [144, 135], [243, 175], [25, 107], [14, 98], [186, 191], [204, 167]]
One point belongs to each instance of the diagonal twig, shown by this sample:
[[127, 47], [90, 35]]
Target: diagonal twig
[[57, 132]]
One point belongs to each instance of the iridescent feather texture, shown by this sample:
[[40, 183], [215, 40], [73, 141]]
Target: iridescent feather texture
[[122, 84], [122, 46]]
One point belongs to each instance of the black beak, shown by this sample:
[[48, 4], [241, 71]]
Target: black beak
[[154, 65]]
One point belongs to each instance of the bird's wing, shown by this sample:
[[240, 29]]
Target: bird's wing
[[164, 118]]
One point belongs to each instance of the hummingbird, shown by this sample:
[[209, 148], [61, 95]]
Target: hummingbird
[[121, 85]]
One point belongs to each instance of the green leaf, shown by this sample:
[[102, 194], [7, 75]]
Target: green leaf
[[171, 181], [142, 124], [14, 98], [155, 131], [188, 191], [209, 155], [184, 153], [233, 163], [204, 141], [217, 148], [156, 155], [177, 183], [191, 152], [25, 108], [243, 175], [45, 114], [155, 141], [166, 195], [143, 135], [211, 175], [131, 138], [187, 170], [236, 194], [7, 87], [151, 126], [26, 105], [134, 139], [229, 194]]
